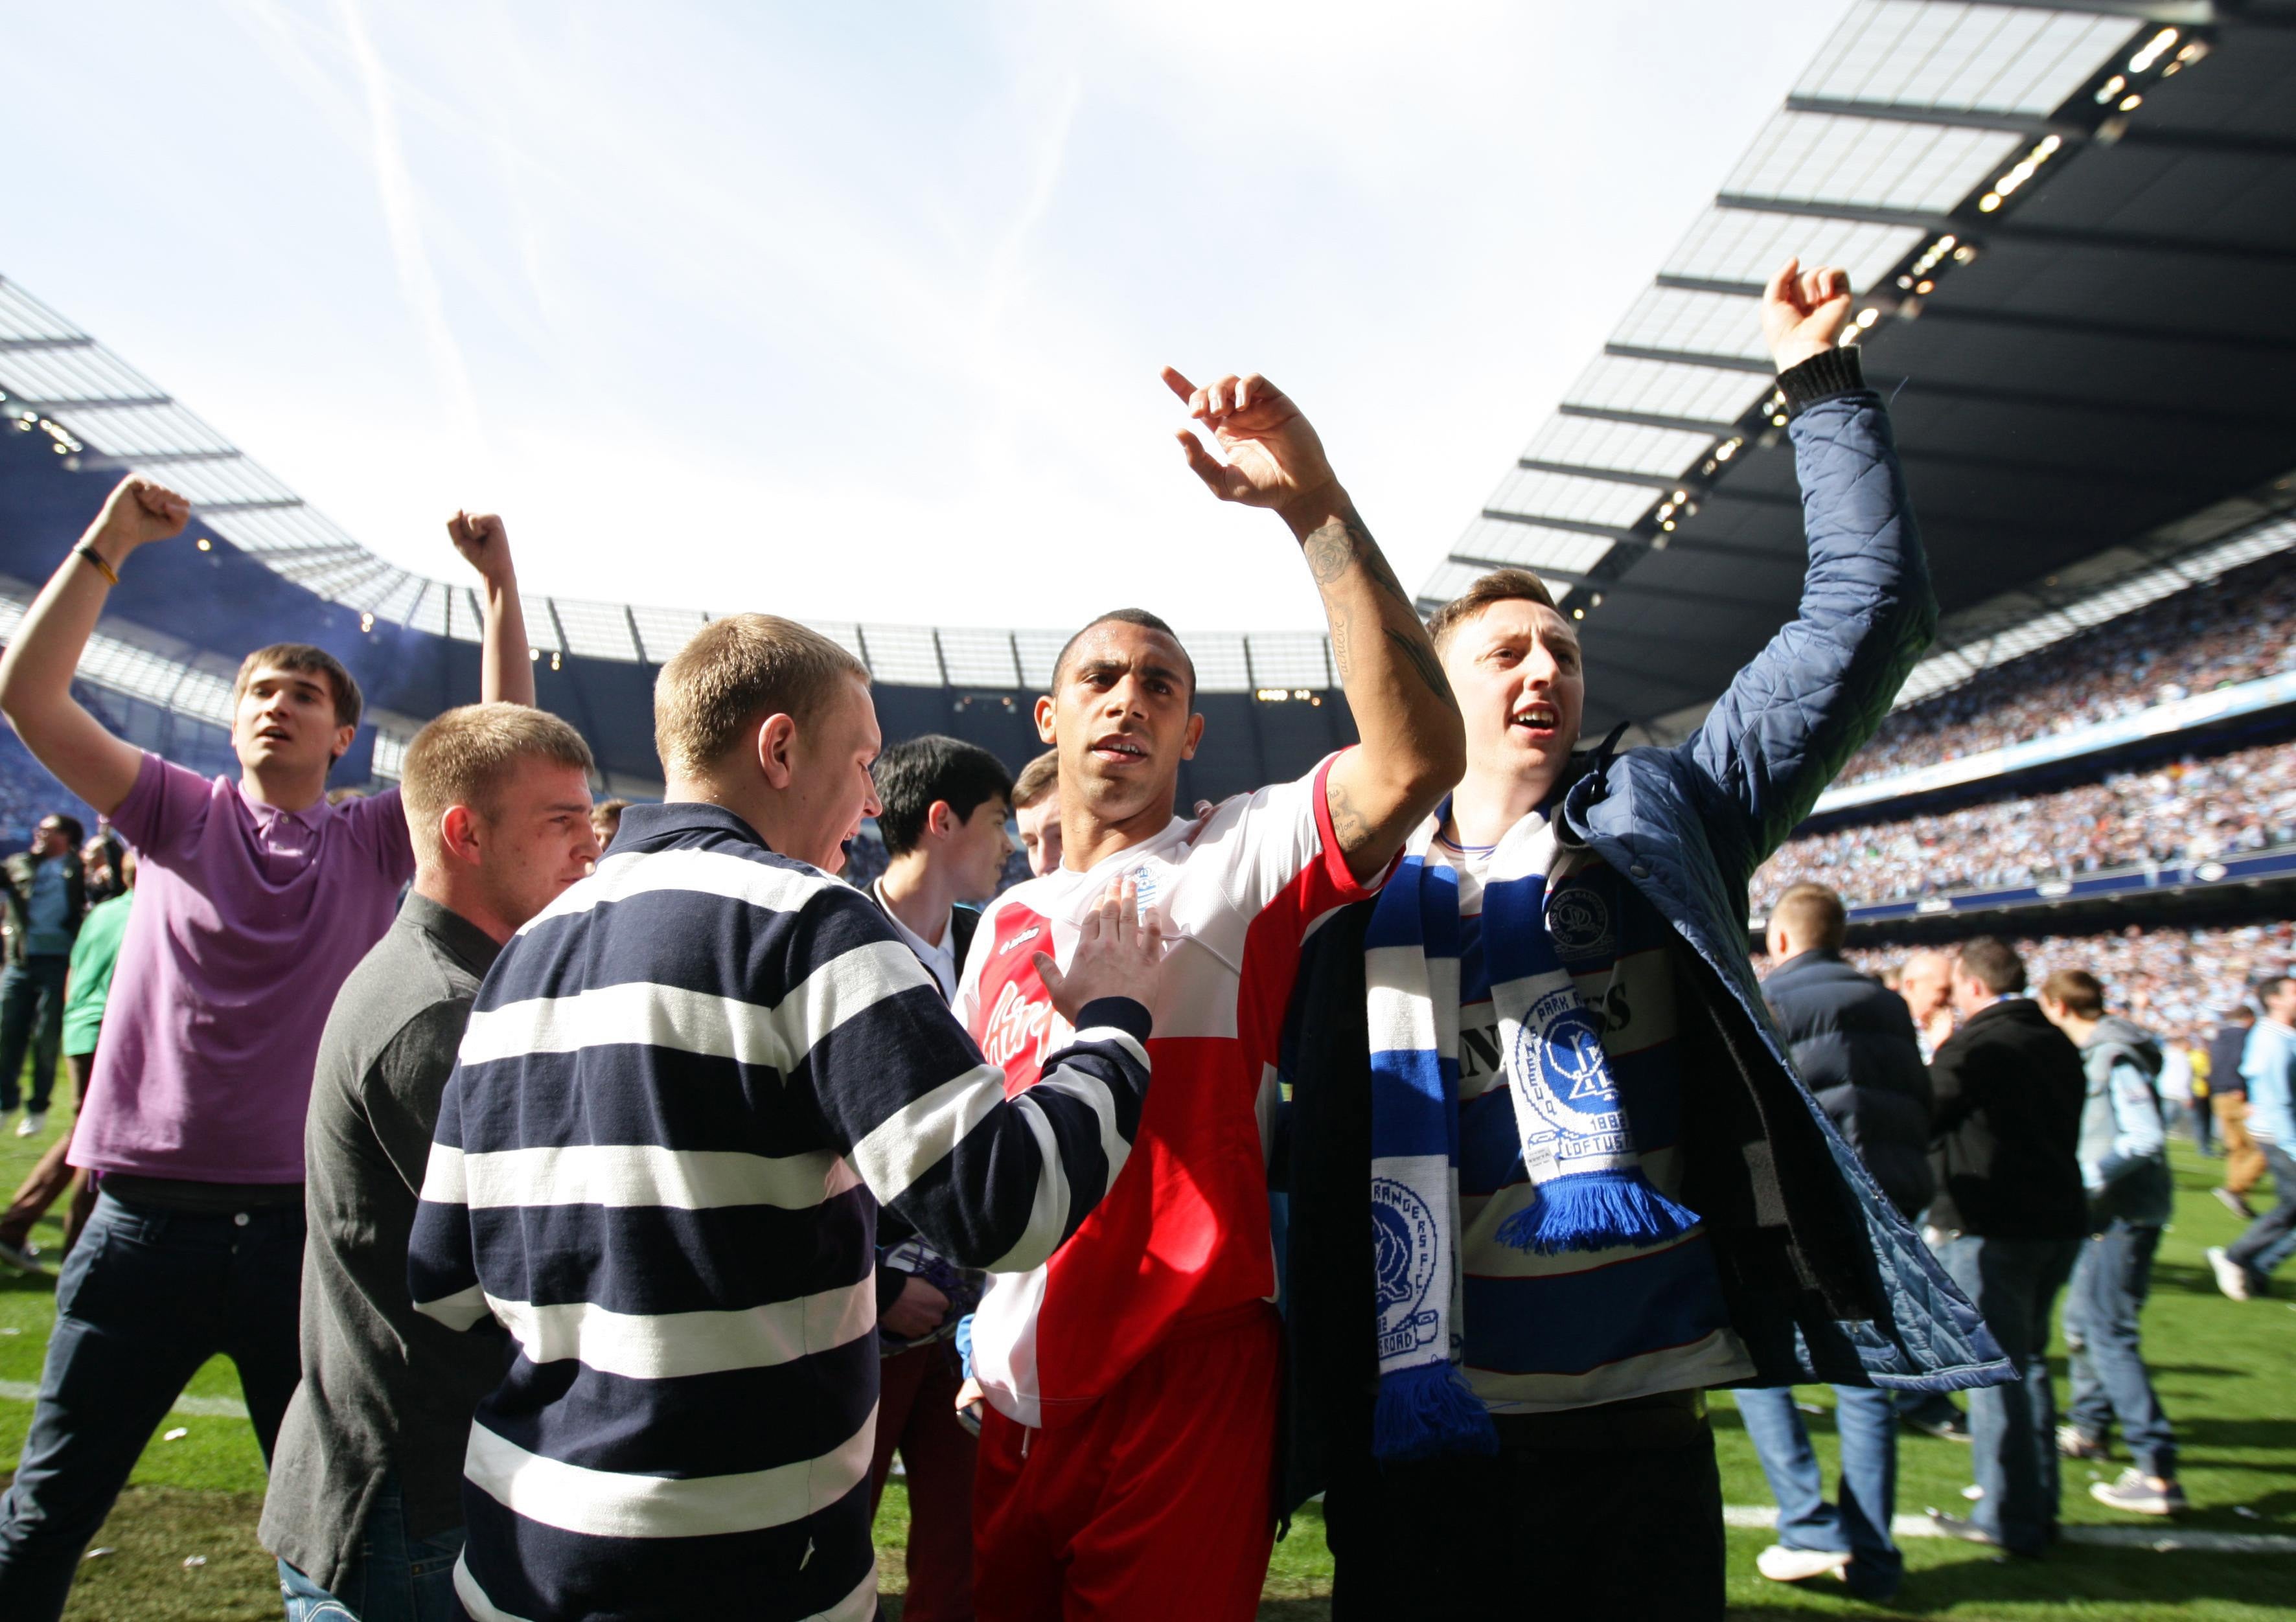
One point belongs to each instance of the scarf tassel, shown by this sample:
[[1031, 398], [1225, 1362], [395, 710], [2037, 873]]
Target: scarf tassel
[[1427, 1412], [1596, 1210]]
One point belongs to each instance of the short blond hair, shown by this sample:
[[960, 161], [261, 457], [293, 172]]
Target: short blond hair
[[1038, 778], [738, 670], [465, 757], [1499, 585], [1814, 916]]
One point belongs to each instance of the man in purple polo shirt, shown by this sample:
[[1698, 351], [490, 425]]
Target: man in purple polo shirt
[[257, 898]]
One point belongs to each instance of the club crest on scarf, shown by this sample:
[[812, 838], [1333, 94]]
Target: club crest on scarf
[[1404, 1257], [1566, 1077]]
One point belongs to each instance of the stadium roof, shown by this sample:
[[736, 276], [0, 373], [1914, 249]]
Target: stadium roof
[[2074, 231], [100, 412]]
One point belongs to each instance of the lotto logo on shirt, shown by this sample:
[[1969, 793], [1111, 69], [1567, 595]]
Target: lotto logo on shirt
[[1016, 1025]]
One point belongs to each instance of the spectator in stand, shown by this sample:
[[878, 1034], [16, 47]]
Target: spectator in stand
[[2238, 628], [1036, 811], [2244, 1268], [606, 820], [2229, 1104], [364, 1510], [87, 986], [1852, 1043], [2179, 815], [2009, 1089], [745, 1062], [2124, 1165], [943, 807], [257, 898], [45, 891]]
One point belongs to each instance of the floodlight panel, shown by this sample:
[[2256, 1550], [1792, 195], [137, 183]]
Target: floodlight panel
[[1747, 246], [396, 600], [1870, 163], [1293, 658], [1219, 660], [977, 658], [1690, 323], [1588, 501], [1039, 651], [1989, 58], [595, 630], [902, 655], [1663, 388], [1617, 447], [1532, 545], [664, 631]]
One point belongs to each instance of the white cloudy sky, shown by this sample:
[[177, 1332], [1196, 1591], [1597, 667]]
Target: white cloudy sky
[[854, 310]]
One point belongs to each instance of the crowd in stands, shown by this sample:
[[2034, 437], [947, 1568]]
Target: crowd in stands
[[2180, 983], [2191, 811], [2238, 628]]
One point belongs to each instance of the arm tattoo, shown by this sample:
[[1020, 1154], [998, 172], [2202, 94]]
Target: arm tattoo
[[1352, 827], [1421, 659], [1332, 550]]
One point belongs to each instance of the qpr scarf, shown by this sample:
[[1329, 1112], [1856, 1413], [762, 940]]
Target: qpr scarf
[[1576, 1144]]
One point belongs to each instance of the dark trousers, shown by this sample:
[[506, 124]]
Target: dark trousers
[[916, 1414], [2204, 1121], [2265, 1244], [1577, 1515], [2013, 1429], [31, 1016], [2102, 1305], [146, 1297]]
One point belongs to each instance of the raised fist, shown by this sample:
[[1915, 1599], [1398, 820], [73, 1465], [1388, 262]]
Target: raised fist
[[1273, 457], [137, 512], [1803, 312], [483, 542]]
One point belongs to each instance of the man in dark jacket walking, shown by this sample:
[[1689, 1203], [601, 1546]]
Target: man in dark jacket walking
[[2010, 1205], [1853, 1044], [46, 891]]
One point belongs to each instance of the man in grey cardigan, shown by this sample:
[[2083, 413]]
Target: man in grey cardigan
[[364, 1511]]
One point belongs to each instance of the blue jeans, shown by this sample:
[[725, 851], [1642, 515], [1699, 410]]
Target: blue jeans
[[146, 1297], [398, 1577], [2271, 1238], [2013, 1429], [31, 1017], [1860, 1525], [2101, 1307]]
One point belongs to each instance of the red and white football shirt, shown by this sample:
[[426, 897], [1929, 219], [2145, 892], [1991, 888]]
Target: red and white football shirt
[[1183, 1230]]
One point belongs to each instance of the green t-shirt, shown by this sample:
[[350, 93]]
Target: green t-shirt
[[89, 981]]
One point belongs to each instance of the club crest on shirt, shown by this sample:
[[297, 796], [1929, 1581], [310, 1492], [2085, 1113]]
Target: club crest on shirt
[[1578, 922], [1561, 1073], [1403, 1257]]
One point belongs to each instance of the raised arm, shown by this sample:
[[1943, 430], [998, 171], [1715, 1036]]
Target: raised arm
[[1415, 748], [506, 662], [35, 672], [1796, 714]]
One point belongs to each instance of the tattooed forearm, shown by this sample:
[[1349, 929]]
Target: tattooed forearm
[[1421, 657], [1331, 548], [1353, 827]]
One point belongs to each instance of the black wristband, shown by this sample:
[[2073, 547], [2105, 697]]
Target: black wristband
[[95, 560], [1821, 377]]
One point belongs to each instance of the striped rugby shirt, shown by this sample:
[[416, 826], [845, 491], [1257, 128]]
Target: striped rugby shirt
[[681, 1086], [1567, 1331]]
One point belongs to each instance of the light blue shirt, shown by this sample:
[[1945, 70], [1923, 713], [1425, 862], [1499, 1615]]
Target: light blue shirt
[[2269, 1062], [46, 911]]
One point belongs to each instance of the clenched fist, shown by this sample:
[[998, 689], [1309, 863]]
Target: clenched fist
[[1803, 312], [484, 544], [138, 511]]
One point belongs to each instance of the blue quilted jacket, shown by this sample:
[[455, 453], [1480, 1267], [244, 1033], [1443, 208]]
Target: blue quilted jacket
[[1690, 824], [1823, 1280]]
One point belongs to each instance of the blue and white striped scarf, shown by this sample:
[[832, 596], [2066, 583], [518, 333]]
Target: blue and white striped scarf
[[1578, 1146]]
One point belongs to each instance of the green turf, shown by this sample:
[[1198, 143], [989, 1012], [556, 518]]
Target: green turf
[[2225, 1370]]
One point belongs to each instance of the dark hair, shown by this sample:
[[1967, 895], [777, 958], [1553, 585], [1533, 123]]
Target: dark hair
[[1814, 916], [1499, 585], [1142, 617], [70, 827], [1993, 963], [2269, 987], [911, 776], [2081, 992]]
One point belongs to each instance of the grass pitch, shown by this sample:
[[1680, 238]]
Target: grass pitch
[[182, 1541]]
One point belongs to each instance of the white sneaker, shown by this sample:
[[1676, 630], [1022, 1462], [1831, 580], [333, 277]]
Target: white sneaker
[[2232, 1278], [34, 1122], [1781, 1564]]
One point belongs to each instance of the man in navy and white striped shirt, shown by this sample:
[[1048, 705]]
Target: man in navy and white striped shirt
[[684, 1088]]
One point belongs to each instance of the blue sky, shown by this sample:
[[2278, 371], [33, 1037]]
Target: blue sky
[[854, 311]]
